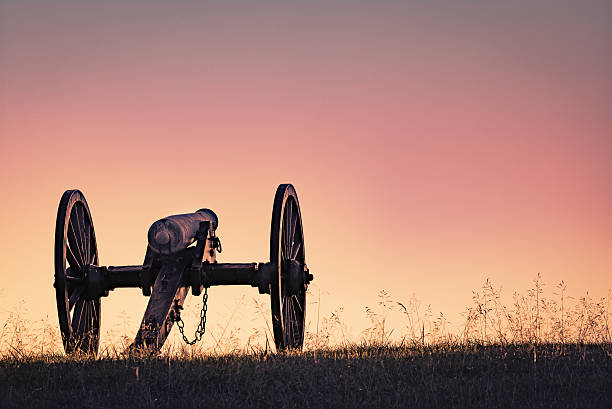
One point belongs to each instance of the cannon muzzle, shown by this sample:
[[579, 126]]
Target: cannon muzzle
[[175, 233]]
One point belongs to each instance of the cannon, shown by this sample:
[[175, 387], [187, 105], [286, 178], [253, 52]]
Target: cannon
[[181, 254]]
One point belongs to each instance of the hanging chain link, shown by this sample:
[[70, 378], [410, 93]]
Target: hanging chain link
[[201, 329], [215, 243]]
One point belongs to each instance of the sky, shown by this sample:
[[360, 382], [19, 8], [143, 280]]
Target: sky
[[432, 144]]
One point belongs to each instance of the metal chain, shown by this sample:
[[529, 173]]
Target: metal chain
[[201, 329], [215, 242]]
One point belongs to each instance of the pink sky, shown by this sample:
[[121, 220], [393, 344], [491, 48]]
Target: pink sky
[[431, 146]]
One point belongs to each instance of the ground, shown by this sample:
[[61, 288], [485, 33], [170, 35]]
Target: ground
[[440, 376]]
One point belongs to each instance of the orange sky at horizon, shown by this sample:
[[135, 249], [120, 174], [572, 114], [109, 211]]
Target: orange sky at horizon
[[431, 146]]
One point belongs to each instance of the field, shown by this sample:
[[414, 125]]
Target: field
[[442, 376], [538, 352]]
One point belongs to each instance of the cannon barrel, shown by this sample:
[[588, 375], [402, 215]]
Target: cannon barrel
[[174, 233]]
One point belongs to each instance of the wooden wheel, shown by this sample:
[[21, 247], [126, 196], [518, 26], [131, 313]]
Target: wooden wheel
[[287, 256], [75, 251]]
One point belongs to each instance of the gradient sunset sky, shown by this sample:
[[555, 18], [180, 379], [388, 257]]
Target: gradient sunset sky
[[432, 144]]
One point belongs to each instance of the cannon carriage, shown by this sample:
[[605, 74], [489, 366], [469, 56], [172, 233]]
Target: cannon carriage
[[181, 254]]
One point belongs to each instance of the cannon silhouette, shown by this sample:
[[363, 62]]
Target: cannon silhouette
[[181, 254]]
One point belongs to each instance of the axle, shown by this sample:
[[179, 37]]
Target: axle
[[230, 274], [100, 279]]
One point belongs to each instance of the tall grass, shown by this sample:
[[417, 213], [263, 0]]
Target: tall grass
[[538, 350], [531, 318], [536, 317]]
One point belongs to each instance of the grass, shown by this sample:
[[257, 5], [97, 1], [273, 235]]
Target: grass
[[370, 376], [536, 352]]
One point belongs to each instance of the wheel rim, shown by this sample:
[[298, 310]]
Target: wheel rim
[[286, 244], [75, 250]]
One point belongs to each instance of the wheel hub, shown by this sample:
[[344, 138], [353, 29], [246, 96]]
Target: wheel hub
[[93, 280], [297, 276]]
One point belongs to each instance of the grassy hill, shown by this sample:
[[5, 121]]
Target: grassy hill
[[440, 376]]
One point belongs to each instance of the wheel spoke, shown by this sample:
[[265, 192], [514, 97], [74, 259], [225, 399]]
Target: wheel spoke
[[296, 323], [73, 241], [292, 233], [286, 318], [75, 279], [296, 249], [84, 327], [287, 231], [284, 235], [289, 219], [291, 315], [299, 319], [94, 311], [75, 296], [282, 252], [89, 315], [298, 303], [92, 245], [285, 310], [81, 327], [74, 218], [85, 321], [78, 210], [86, 235], [291, 227], [77, 316], [72, 260]]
